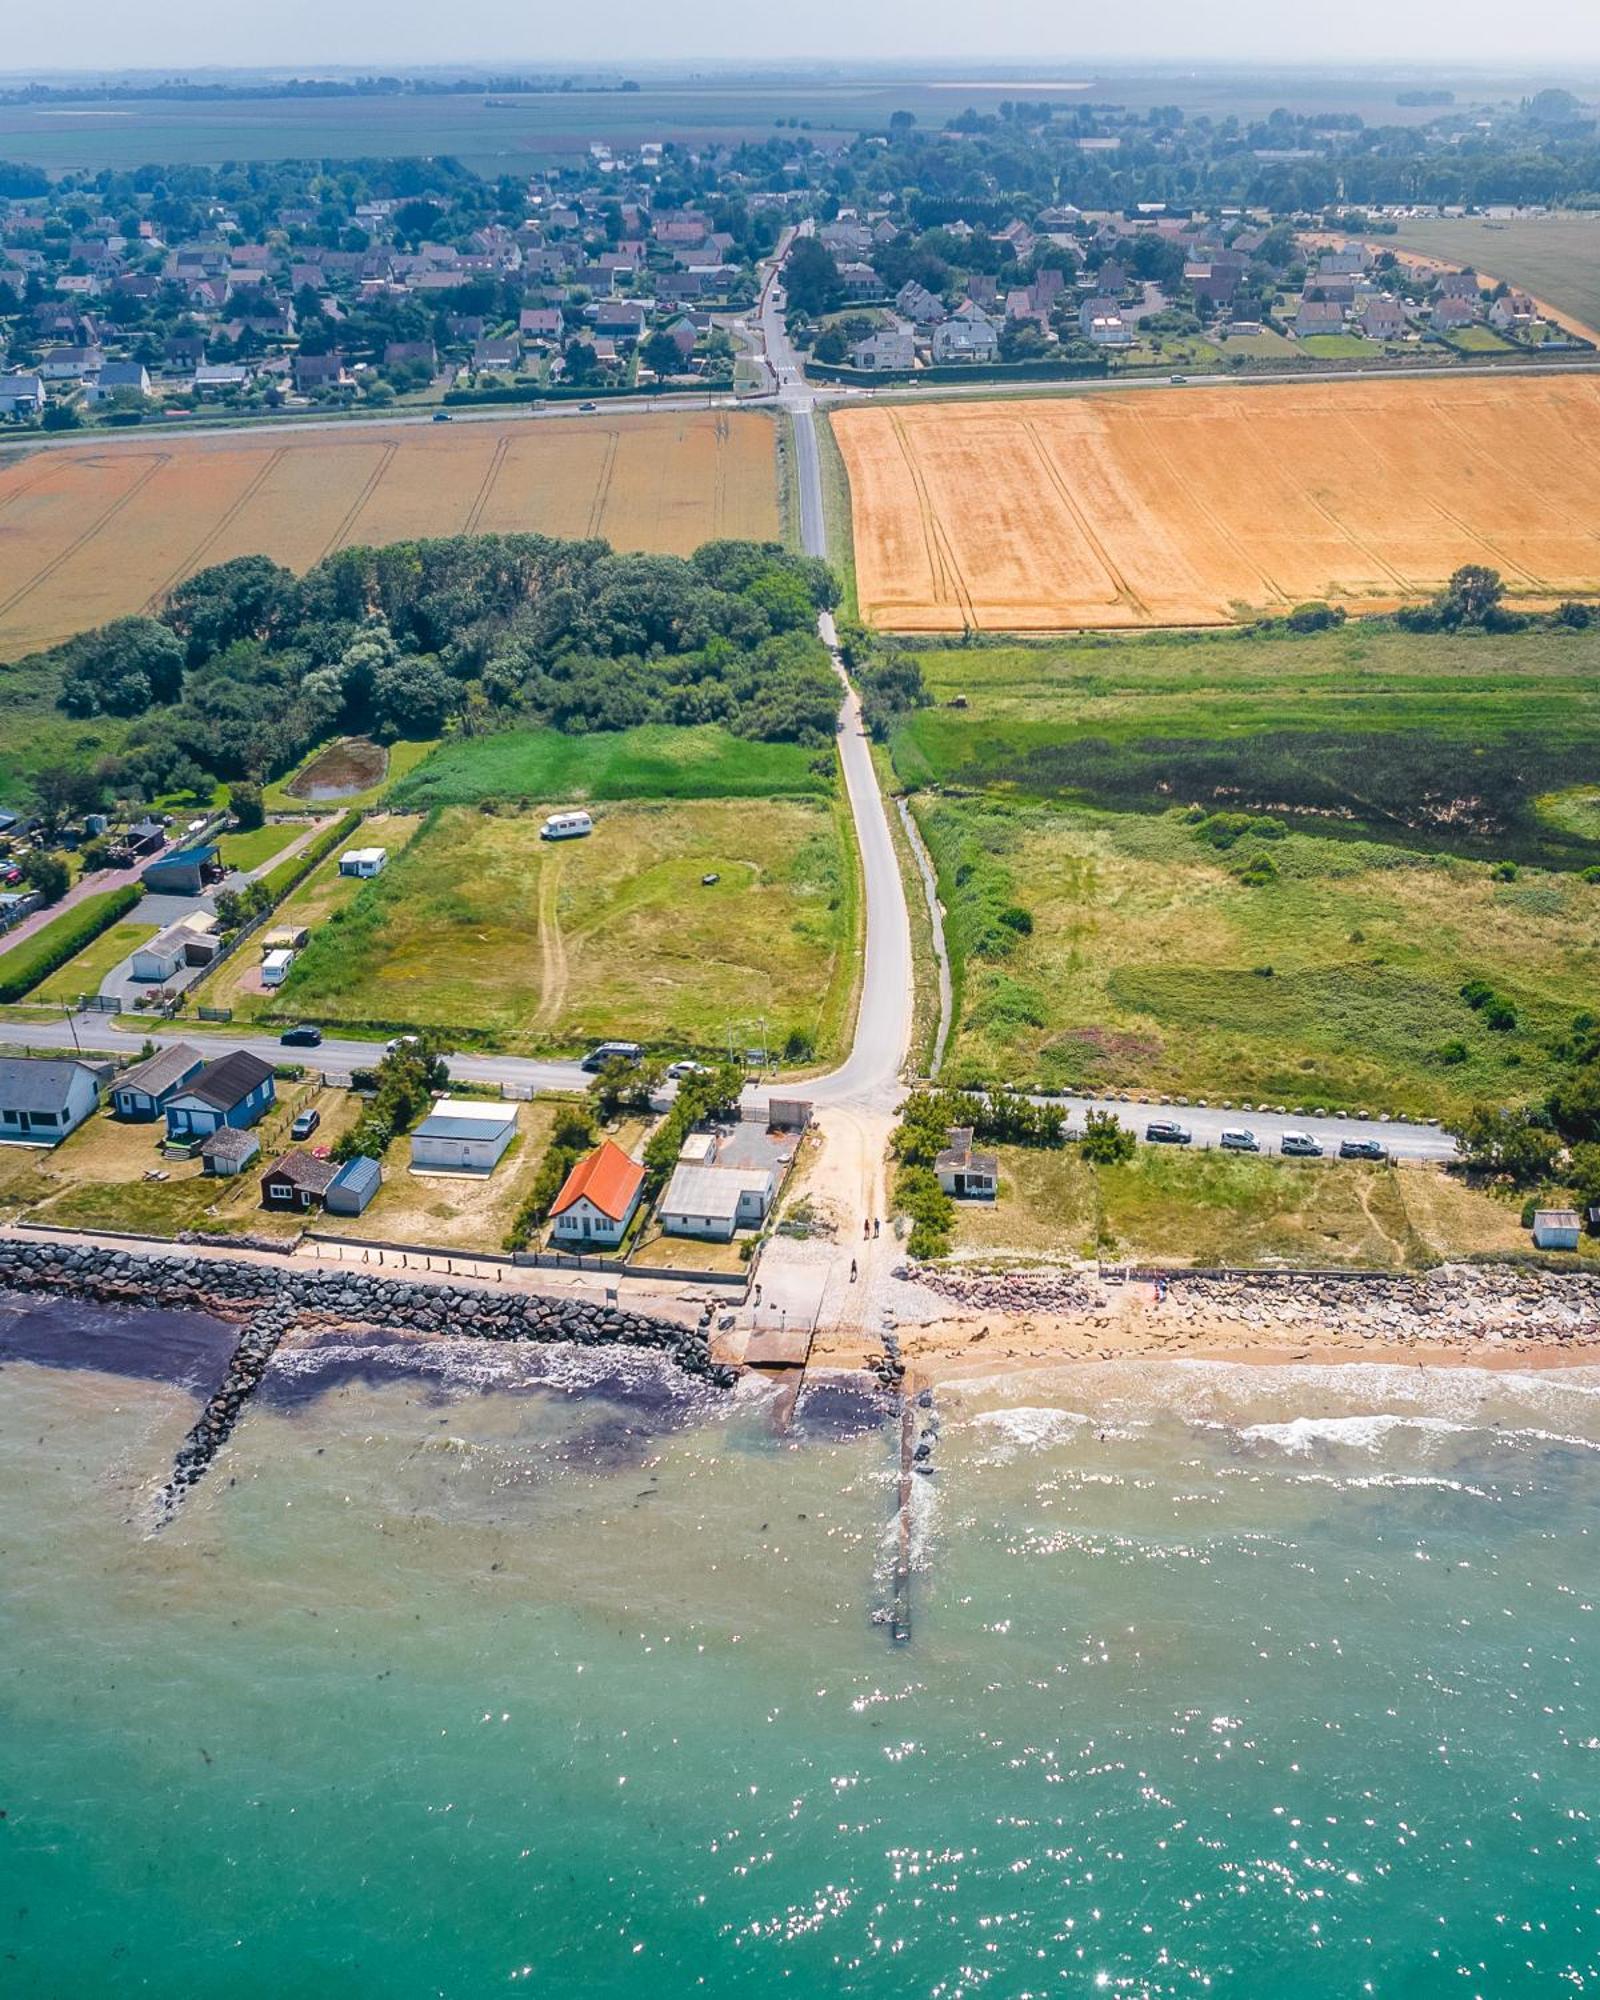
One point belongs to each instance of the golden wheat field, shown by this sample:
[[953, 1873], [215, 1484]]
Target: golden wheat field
[[1198, 506], [90, 532]]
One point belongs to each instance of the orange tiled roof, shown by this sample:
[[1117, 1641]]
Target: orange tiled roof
[[607, 1176]]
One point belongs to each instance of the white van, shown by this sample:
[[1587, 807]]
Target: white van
[[566, 826]]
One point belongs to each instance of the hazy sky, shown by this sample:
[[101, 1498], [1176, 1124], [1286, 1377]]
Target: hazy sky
[[384, 33]]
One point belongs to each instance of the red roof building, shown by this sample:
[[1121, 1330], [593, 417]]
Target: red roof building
[[598, 1198]]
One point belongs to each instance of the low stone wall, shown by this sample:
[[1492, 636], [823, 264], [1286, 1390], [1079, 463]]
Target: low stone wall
[[242, 1291]]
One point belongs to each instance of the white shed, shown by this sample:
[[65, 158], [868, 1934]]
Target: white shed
[[363, 861], [275, 967], [464, 1134]]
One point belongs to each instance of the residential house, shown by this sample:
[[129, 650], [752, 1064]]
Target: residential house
[[184, 872], [119, 375], [319, 371], [299, 1180], [917, 304], [464, 1135], [967, 335], [1383, 318], [860, 281], [403, 353], [42, 1101], [228, 1151], [967, 1175], [1347, 263], [363, 861], [597, 1200], [71, 364], [1449, 315], [21, 396], [713, 1201], [183, 351], [237, 1089], [540, 323], [1212, 284], [141, 1093], [1314, 316], [1457, 285], [1556, 1228], [216, 378], [353, 1186], [1100, 320], [623, 319], [891, 347], [188, 942], [1512, 311], [503, 354]]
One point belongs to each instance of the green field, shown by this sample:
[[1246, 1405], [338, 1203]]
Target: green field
[[1556, 257], [483, 930], [1151, 965], [260, 845], [36, 732], [1441, 741], [1335, 347], [84, 973], [1205, 1209], [655, 761], [21, 959]]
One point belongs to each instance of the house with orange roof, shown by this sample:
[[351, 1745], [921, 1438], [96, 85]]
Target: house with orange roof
[[597, 1199]]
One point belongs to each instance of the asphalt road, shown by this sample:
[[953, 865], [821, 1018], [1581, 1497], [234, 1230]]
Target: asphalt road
[[1207, 1123]]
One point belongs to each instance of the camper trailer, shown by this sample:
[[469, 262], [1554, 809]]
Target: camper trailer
[[566, 826]]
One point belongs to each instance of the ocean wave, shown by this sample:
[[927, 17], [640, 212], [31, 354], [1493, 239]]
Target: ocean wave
[[1301, 1435]]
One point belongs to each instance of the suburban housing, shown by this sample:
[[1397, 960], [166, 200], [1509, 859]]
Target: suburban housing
[[234, 1090]]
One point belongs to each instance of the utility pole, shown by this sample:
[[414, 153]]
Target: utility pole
[[72, 1028]]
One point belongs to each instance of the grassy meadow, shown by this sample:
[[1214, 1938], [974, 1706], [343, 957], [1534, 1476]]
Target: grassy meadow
[[1144, 959], [655, 761], [486, 932], [1556, 257], [1206, 1209], [1435, 742]]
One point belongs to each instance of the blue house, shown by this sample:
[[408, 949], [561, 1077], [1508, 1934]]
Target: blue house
[[144, 1091], [234, 1090]]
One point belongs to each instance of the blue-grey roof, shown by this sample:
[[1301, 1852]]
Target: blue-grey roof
[[442, 1126], [197, 856], [358, 1174], [29, 1084]]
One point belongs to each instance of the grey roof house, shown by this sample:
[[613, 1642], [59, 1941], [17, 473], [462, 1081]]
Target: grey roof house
[[142, 1092], [41, 1102]]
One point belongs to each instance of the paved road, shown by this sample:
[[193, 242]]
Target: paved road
[[1207, 1123]]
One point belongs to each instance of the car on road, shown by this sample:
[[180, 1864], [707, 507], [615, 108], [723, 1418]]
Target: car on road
[[1167, 1132], [402, 1042], [1300, 1145], [597, 1059], [679, 1070], [1362, 1149], [1237, 1140], [303, 1037], [443, 417], [305, 1124], [589, 408], [1179, 378]]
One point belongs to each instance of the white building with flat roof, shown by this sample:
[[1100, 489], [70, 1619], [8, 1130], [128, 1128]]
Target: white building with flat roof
[[464, 1135]]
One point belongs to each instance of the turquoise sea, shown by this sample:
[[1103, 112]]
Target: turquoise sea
[[475, 1670]]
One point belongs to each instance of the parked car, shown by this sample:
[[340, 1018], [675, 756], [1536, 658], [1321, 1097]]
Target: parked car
[[1362, 1149], [1300, 1145], [597, 1059], [305, 1124], [1167, 1132], [1239, 1141], [303, 1037]]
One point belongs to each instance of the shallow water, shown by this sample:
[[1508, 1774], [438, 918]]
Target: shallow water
[[495, 1667]]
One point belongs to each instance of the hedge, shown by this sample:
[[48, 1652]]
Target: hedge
[[1089, 369], [289, 874], [25, 965]]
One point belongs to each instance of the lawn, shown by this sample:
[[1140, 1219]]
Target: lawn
[[652, 762], [482, 930], [1477, 340], [84, 973], [1207, 1209], [1336, 347], [235, 983], [1138, 958], [1439, 740], [260, 845], [96, 1179], [22, 958]]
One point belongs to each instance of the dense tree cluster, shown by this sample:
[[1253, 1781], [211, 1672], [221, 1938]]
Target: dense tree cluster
[[246, 666]]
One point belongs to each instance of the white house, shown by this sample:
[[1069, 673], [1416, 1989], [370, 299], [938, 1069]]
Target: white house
[[967, 335], [188, 942], [465, 1134], [967, 1175], [1556, 1229], [363, 861], [42, 1101], [21, 396], [597, 1200], [715, 1201]]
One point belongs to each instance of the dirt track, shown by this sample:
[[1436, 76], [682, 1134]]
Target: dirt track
[[94, 532], [1195, 508]]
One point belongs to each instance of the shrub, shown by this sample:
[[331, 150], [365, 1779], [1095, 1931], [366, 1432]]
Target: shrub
[[1452, 1052], [25, 965], [1017, 919], [1315, 617], [1107, 1142], [1500, 1015], [918, 1195], [1504, 871]]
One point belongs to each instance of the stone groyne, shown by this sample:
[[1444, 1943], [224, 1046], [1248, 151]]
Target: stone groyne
[[271, 1301]]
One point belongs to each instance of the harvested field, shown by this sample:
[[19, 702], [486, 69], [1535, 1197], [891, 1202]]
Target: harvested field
[[1199, 507], [91, 532]]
